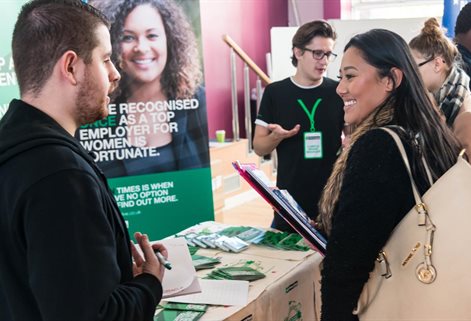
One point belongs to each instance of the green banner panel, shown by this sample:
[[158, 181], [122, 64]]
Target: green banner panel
[[163, 204], [8, 83]]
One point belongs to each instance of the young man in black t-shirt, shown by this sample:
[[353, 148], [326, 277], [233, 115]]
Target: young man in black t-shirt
[[302, 118]]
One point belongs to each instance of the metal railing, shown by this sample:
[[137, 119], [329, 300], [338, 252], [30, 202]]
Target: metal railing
[[249, 64]]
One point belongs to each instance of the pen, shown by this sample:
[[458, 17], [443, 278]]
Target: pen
[[163, 260]]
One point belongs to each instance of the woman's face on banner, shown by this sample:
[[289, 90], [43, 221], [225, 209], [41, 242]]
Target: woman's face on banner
[[143, 45]]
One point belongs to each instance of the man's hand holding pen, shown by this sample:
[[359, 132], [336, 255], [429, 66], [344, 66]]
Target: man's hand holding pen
[[163, 260], [149, 261]]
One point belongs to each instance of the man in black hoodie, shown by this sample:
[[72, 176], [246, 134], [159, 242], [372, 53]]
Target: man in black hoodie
[[65, 251]]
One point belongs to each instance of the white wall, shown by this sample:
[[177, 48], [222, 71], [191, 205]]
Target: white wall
[[281, 41], [281, 52], [346, 29]]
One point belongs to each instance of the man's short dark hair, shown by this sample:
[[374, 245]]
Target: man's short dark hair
[[309, 30], [463, 21], [44, 31]]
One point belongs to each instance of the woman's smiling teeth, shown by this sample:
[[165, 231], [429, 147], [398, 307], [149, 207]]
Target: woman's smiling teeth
[[349, 103], [143, 61]]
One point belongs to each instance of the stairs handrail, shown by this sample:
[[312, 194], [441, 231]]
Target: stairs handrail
[[250, 63]]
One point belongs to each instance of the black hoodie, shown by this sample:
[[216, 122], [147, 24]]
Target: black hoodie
[[64, 247]]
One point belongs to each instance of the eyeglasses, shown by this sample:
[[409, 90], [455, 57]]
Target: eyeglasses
[[426, 61], [320, 54]]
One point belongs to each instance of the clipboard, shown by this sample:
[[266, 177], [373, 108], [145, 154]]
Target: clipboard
[[182, 278], [283, 203]]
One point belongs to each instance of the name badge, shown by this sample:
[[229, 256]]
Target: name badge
[[313, 145]]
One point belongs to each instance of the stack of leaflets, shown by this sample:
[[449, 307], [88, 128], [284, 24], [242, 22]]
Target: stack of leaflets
[[216, 240], [284, 204], [284, 241], [231, 244], [180, 311], [248, 234], [201, 262], [244, 273], [192, 249]]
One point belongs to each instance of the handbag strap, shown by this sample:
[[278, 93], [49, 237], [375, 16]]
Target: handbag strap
[[402, 151], [419, 204], [399, 142], [427, 170], [426, 272]]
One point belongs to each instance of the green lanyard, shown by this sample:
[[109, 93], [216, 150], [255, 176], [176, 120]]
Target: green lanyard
[[311, 114]]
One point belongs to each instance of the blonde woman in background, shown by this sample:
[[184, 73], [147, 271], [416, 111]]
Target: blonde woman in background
[[439, 61]]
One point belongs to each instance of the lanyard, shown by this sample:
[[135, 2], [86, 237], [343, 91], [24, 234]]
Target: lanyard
[[311, 114]]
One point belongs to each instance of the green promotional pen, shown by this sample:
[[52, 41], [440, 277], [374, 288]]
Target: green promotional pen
[[163, 260]]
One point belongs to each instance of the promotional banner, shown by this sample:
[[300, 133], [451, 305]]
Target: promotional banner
[[8, 83], [153, 146]]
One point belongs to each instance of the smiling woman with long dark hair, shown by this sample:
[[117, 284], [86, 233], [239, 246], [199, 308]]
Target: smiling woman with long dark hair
[[155, 50], [369, 191]]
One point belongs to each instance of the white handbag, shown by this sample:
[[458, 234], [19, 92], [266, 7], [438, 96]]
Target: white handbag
[[424, 270]]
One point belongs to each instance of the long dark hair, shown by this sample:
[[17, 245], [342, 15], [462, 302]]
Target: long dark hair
[[408, 106], [413, 110]]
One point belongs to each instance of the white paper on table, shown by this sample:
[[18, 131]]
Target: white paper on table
[[218, 292], [181, 279]]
